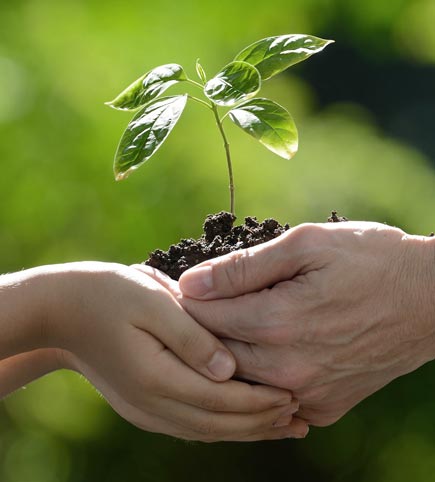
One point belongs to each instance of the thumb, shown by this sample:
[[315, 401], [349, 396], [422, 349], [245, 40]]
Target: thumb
[[247, 270]]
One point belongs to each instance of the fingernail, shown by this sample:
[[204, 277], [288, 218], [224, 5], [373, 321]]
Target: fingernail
[[196, 282], [221, 365], [283, 401], [284, 419], [294, 406]]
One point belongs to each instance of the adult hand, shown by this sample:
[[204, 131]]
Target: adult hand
[[154, 364], [331, 311]]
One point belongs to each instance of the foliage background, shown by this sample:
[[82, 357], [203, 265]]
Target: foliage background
[[364, 109]]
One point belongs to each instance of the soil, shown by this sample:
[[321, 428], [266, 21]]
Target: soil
[[220, 237]]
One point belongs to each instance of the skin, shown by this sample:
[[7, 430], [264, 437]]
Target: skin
[[19, 370], [332, 312], [133, 341]]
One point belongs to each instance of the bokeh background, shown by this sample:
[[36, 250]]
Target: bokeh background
[[364, 109]]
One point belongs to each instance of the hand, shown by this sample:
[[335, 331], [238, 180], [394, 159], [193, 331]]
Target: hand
[[332, 312], [153, 363]]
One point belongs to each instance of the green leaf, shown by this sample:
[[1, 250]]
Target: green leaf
[[201, 72], [269, 123], [146, 133], [272, 55], [236, 82], [148, 87]]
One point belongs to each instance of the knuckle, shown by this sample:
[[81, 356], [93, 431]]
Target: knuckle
[[277, 330], [306, 232], [277, 325], [233, 273], [189, 341], [310, 238], [213, 403], [206, 429], [257, 399]]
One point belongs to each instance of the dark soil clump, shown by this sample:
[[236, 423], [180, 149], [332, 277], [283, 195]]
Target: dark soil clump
[[220, 237], [334, 218]]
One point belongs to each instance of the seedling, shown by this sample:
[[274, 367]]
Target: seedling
[[234, 87]]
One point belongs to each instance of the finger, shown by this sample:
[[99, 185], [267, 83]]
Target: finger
[[178, 382], [272, 316], [247, 270], [219, 426], [297, 429], [160, 424], [281, 366], [192, 343], [251, 365], [238, 318]]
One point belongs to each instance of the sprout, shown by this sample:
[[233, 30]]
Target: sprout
[[234, 87]]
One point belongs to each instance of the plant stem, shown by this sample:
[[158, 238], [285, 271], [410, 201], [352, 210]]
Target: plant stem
[[213, 107], [227, 152], [200, 101]]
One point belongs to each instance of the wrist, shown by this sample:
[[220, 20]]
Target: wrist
[[421, 303], [73, 304], [23, 304], [65, 286]]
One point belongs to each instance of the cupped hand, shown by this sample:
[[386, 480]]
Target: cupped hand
[[155, 365], [332, 312]]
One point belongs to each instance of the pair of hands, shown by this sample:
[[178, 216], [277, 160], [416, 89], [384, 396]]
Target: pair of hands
[[128, 335], [329, 312]]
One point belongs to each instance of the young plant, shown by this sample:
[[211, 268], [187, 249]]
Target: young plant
[[234, 87]]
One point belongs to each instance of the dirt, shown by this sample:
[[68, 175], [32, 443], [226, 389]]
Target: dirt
[[220, 237]]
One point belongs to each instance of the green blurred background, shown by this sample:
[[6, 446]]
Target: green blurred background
[[364, 108]]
